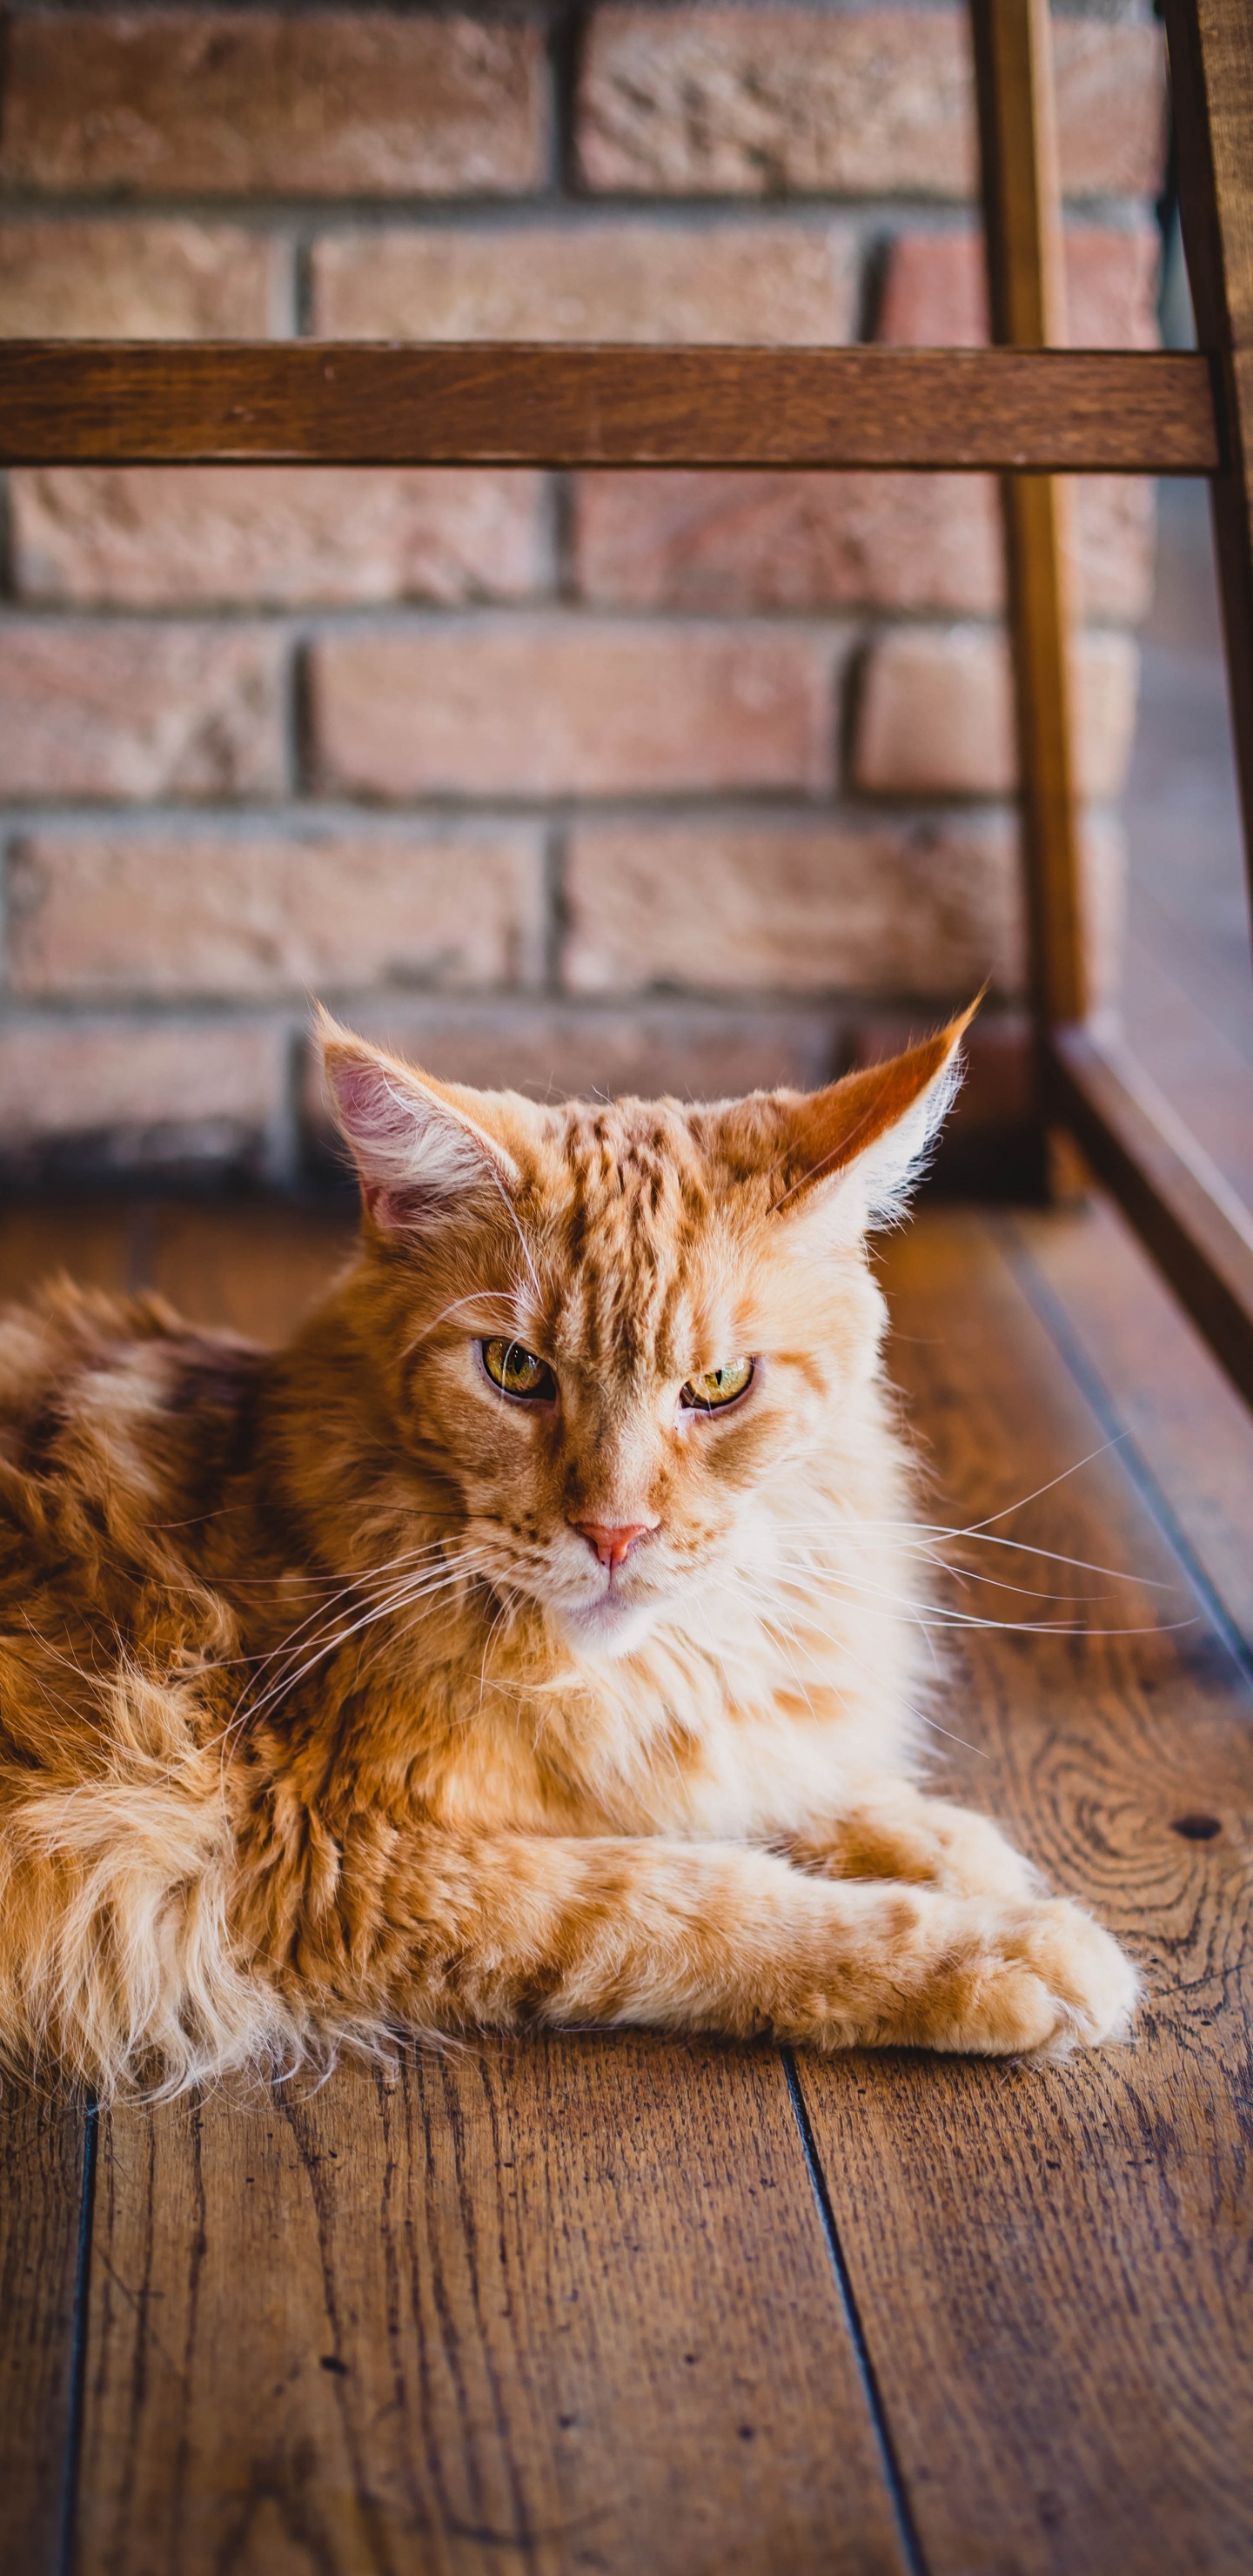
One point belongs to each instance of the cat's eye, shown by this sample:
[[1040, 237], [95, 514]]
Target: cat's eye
[[718, 1386], [517, 1372]]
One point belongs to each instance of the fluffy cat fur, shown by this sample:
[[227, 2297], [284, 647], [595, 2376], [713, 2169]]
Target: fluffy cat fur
[[322, 1718]]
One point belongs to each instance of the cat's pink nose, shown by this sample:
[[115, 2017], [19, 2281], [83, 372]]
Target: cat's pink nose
[[613, 1545]]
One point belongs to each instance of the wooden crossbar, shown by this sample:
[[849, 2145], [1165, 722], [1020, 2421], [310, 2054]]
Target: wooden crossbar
[[1048, 411]]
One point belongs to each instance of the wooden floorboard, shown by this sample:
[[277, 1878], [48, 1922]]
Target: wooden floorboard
[[560, 2306], [1191, 1431], [42, 2172], [1053, 2267], [442, 2323], [94, 1244], [252, 1268]]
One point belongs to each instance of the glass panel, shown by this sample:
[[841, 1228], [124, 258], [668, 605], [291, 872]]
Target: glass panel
[[1188, 979]]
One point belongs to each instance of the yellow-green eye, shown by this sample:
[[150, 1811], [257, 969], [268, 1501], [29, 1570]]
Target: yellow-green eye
[[517, 1371], [717, 1386]]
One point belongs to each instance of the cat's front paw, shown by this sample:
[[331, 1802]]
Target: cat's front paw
[[1035, 1982]]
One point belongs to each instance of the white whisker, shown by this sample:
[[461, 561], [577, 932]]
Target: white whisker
[[902, 1605], [401, 1597], [926, 1531]]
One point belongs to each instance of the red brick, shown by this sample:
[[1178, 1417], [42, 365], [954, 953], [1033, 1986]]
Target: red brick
[[935, 714], [697, 1050], [140, 710], [935, 289], [752, 101], [722, 542], [215, 101], [774, 281], [572, 706], [166, 536], [807, 906], [240, 914], [97, 278], [140, 1090], [1113, 522], [1111, 106], [758, 101]]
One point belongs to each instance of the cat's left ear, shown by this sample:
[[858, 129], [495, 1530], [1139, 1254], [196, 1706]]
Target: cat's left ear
[[420, 1153], [854, 1150]]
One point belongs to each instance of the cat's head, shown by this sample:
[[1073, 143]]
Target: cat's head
[[602, 1333]]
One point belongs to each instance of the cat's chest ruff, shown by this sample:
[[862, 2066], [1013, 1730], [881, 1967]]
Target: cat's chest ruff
[[760, 1741], [656, 1762], [761, 1773]]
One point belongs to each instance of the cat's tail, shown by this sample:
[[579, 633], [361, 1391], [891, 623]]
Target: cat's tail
[[116, 1954]]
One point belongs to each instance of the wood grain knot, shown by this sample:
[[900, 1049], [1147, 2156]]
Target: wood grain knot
[[1196, 1829]]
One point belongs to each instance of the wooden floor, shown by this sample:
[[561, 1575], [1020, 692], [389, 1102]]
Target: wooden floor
[[621, 2305]]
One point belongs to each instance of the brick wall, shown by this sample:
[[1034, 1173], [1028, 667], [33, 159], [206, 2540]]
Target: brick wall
[[621, 779]]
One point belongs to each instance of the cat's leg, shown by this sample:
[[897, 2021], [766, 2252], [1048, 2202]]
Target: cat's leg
[[715, 1937], [888, 1829]]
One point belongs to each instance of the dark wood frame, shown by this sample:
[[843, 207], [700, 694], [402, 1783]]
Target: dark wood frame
[[1028, 408]]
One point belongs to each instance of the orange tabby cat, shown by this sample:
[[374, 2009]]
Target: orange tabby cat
[[528, 1641]]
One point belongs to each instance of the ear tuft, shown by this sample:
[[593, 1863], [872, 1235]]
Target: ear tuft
[[418, 1153], [872, 1132]]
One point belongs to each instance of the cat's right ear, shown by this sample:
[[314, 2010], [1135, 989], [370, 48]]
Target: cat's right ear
[[419, 1155]]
